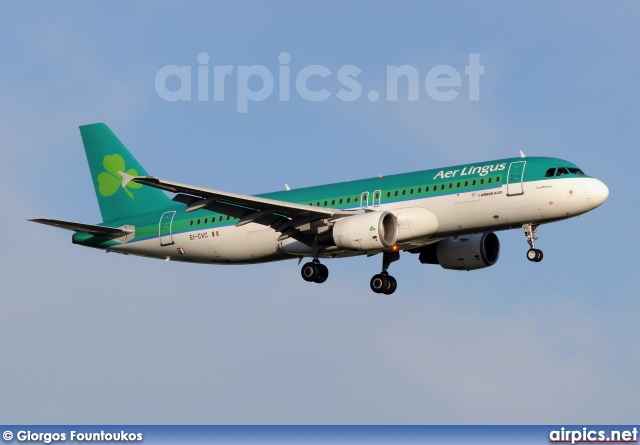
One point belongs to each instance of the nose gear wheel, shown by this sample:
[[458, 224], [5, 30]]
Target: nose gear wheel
[[533, 254]]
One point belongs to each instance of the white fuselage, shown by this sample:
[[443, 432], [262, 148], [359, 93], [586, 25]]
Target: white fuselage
[[457, 214]]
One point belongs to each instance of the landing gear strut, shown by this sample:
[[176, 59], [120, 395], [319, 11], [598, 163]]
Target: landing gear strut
[[383, 283], [533, 254]]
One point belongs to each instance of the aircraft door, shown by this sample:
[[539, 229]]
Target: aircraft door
[[164, 228], [515, 176], [377, 196], [364, 200]]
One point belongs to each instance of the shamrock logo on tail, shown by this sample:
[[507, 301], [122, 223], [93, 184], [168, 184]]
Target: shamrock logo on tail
[[110, 181]]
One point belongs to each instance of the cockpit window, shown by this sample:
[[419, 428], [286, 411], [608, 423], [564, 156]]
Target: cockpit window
[[561, 171]]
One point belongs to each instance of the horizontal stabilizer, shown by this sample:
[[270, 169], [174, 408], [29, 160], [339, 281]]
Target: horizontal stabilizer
[[108, 232]]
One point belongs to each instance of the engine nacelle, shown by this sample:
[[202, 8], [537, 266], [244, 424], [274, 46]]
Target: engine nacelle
[[415, 222], [464, 252], [366, 231]]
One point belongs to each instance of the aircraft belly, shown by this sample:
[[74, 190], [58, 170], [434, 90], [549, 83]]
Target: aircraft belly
[[471, 214], [251, 243], [263, 242]]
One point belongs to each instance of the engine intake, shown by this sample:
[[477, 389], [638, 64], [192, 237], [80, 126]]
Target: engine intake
[[364, 232], [464, 252]]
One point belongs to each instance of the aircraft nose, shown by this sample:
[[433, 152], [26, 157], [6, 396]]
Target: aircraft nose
[[597, 192]]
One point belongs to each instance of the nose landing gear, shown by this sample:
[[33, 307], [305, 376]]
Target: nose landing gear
[[533, 254]]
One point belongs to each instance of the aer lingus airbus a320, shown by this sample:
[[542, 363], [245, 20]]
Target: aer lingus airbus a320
[[447, 216]]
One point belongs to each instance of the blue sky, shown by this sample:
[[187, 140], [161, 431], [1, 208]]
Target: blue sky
[[90, 337]]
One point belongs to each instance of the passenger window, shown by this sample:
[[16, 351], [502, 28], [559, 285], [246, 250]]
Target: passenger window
[[450, 184], [404, 192], [228, 217], [466, 183], [426, 189], [325, 204], [419, 189], [562, 171], [442, 187], [489, 181], [206, 220], [458, 185], [550, 172], [198, 222], [348, 200], [333, 202], [340, 200], [191, 222], [395, 193], [481, 181], [220, 218], [474, 182], [411, 192], [317, 203], [388, 194], [355, 199]]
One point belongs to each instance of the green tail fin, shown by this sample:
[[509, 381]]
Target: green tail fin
[[107, 156]]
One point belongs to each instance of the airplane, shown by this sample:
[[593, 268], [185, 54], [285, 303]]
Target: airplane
[[446, 216]]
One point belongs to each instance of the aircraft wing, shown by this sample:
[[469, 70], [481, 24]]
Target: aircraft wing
[[288, 218], [108, 232]]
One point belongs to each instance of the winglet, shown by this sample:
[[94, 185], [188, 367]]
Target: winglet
[[522, 154], [287, 187], [126, 179]]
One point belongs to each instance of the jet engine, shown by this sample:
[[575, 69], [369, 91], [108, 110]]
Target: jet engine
[[364, 232], [468, 252]]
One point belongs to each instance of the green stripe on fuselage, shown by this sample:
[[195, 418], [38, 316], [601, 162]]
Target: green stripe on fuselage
[[408, 186]]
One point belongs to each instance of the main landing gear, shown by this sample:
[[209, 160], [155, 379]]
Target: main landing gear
[[383, 283], [314, 272], [533, 254]]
